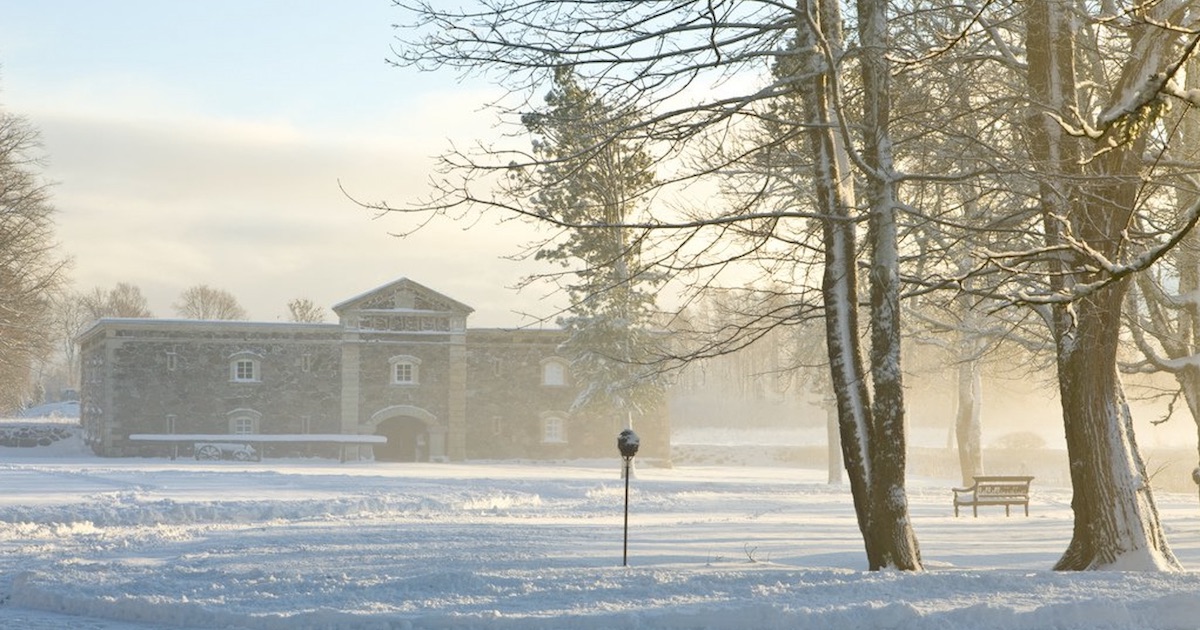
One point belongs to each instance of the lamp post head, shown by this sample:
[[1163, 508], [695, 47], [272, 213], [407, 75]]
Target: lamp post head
[[628, 443]]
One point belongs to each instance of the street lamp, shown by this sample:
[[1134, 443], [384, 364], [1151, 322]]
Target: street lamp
[[628, 443]]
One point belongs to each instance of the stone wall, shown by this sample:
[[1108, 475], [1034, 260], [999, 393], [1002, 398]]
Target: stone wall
[[176, 377]]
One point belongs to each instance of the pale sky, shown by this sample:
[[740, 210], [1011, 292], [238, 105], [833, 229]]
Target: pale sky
[[203, 142]]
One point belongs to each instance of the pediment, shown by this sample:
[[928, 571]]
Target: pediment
[[403, 295]]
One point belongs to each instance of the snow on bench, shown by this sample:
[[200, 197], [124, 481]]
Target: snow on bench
[[1006, 490]]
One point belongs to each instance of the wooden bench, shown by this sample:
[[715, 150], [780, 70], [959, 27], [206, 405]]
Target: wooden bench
[[1006, 490]]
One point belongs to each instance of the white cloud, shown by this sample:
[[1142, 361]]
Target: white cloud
[[257, 209]]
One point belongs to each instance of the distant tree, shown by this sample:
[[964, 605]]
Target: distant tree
[[123, 300], [205, 302], [305, 311], [74, 311], [31, 270]]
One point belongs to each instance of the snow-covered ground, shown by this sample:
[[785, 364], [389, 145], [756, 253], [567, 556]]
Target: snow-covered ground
[[131, 544]]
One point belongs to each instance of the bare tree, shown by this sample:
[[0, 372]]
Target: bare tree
[[1054, 147], [205, 302], [1163, 312], [1092, 186], [31, 269], [662, 56], [305, 311], [122, 300]]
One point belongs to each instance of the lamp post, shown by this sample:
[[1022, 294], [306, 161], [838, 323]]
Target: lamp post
[[628, 443]]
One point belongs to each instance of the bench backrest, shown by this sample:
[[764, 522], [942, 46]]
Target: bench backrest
[[1002, 486]]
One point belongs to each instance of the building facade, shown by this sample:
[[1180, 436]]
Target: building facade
[[401, 363]]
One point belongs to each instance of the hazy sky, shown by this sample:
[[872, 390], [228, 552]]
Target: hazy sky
[[203, 142]]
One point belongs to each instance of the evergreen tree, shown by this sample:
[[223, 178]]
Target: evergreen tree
[[596, 185]]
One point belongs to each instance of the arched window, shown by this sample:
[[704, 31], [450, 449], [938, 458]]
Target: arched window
[[244, 421], [405, 369], [554, 372], [554, 428], [244, 368]]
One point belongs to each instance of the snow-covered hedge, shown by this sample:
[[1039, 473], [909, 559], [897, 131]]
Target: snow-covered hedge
[[31, 434]]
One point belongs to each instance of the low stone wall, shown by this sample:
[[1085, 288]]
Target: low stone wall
[[28, 435]]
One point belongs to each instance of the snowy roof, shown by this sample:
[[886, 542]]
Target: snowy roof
[[168, 324]]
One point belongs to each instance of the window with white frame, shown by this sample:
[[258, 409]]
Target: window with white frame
[[244, 368], [244, 421], [405, 369], [554, 429], [554, 372]]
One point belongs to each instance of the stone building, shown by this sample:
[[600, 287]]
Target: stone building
[[401, 363]]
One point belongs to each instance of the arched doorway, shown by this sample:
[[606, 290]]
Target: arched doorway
[[407, 440]]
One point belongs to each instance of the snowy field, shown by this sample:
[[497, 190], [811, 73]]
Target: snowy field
[[113, 544]]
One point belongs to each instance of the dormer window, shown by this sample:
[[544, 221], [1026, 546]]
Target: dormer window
[[405, 369], [554, 372], [244, 368]]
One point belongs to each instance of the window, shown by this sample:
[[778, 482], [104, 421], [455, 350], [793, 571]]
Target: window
[[243, 368], [244, 421], [306, 363], [404, 373], [405, 369], [554, 429], [170, 423], [554, 372], [172, 360]]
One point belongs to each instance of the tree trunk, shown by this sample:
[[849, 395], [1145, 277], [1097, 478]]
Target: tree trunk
[[1116, 521], [968, 429], [895, 543], [833, 442], [839, 284]]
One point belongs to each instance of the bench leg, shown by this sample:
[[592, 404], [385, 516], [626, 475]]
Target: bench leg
[[1026, 509], [1006, 512], [975, 509]]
